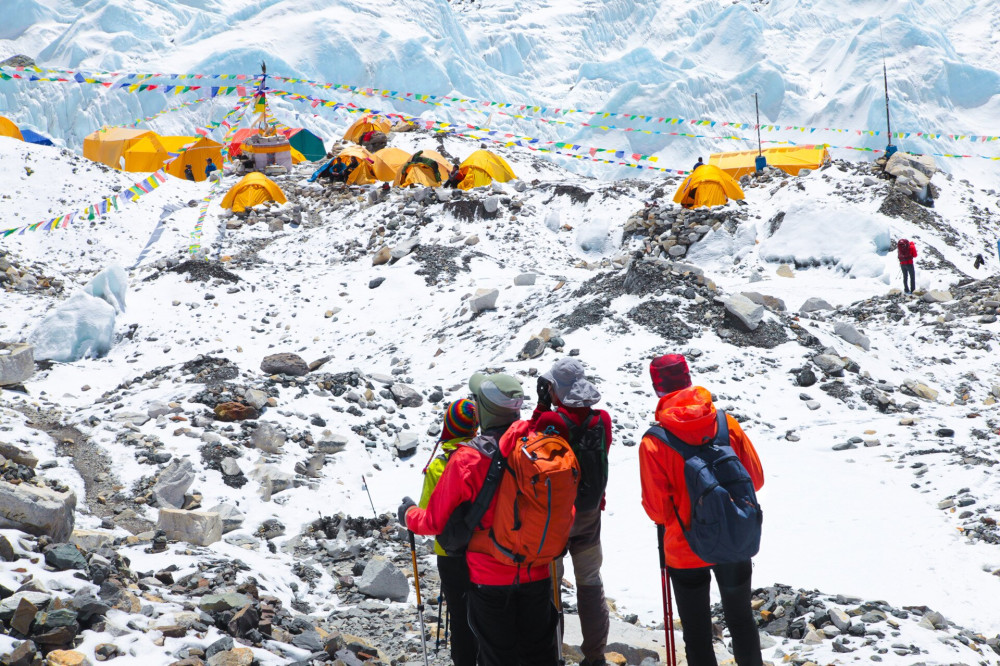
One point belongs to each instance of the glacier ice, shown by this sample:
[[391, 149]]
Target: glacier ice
[[82, 326], [110, 285]]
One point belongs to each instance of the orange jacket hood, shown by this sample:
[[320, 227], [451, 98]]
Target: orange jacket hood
[[689, 414]]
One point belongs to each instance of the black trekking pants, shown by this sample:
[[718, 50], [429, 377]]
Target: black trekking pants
[[515, 624], [909, 272], [691, 597], [454, 573]]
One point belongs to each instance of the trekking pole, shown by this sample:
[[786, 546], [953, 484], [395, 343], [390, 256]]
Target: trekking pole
[[668, 609], [557, 600], [365, 484], [447, 616], [420, 604]]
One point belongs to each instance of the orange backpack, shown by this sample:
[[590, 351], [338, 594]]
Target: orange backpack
[[534, 503]]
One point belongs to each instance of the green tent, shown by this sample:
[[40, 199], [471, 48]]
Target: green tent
[[306, 143]]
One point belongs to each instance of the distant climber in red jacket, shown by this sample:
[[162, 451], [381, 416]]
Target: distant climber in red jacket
[[907, 252]]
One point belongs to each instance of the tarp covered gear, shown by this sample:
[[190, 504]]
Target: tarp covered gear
[[8, 128], [426, 167], [151, 152], [707, 186], [254, 189], [482, 168], [367, 123], [109, 146], [790, 159], [31, 136], [388, 162]]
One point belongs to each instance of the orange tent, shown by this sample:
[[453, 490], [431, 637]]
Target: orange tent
[[388, 162], [367, 123], [420, 170], [8, 128]]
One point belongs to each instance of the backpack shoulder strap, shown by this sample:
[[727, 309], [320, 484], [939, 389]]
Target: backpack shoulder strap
[[685, 450], [479, 506], [576, 430], [722, 433]]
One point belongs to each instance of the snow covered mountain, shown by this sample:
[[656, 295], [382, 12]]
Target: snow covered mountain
[[814, 63]]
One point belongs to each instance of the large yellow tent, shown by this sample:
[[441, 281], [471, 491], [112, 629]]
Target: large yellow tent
[[151, 152], [482, 168], [367, 123], [418, 172], [707, 186], [364, 172], [109, 146], [388, 162], [790, 159], [8, 128], [255, 188]]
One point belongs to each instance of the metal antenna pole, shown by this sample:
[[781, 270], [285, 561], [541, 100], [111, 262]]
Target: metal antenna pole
[[756, 105]]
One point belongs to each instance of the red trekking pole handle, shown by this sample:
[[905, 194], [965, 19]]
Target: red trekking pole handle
[[668, 611]]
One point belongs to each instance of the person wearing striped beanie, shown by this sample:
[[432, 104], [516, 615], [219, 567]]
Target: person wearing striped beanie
[[461, 423]]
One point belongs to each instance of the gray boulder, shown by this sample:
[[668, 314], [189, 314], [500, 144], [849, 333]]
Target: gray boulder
[[491, 203], [936, 296], [268, 438], [284, 364], [200, 528], [484, 299], [65, 556], [745, 311], [18, 455], [406, 444], [37, 511], [17, 363], [405, 396], [331, 443], [173, 482], [525, 279], [382, 580], [852, 335], [917, 169], [830, 364], [231, 517], [814, 305], [771, 302]]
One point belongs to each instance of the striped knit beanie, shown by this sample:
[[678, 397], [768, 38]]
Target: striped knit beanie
[[460, 421]]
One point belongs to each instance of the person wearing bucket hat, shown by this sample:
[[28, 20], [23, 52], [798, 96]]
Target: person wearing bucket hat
[[460, 424], [566, 390], [687, 413], [510, 607]]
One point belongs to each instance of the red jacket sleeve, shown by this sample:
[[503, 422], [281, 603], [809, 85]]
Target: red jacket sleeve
[[743, 448], [458, 484], [913, 249], [656, 487]]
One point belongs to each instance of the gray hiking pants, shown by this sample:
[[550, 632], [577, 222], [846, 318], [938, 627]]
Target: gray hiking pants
[[585, 549]]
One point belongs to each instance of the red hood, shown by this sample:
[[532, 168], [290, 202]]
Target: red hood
[[689, 414]]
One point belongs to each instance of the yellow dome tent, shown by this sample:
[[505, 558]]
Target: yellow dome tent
[[790, 159], [151, 152], [388, 162], [420, 170], [364, 172], [254, 189], [8, 128], [109, 147], [707, 186], [482, 168], [367, 123]]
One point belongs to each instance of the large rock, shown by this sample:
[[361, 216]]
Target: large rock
[[852, 335], [771, 302], [382, 580], [406, 444], [284, 364], [406, 396], [17, 363], [20, 456], [272, 479], [936, 296], [745, 311], [37, 511], [830, 364], [199, 528], [235, 411], [232, 518], [173, 482], [919, 389], [916, 169], [814, 305], [331, 443], [268, 438], [484, 299], [65, 556]]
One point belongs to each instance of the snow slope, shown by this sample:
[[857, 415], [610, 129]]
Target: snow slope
[[813, 63]]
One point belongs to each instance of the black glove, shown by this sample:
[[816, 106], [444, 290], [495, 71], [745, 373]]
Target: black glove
[[403, 508], [544, 394]]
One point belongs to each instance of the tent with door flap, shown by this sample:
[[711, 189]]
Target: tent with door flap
[[481, 168], [254, 189], [108, 146], [369, 122], [152, 152], [9, 129], [388, 162], [707, 186], [790, 159], [426, 167], [363, 172]]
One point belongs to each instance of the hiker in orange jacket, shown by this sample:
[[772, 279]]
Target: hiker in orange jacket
[[688, 413]]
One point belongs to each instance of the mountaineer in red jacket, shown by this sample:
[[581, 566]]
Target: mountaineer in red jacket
[[511, 609], [688, 413], [566, 388], [906, 252]]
